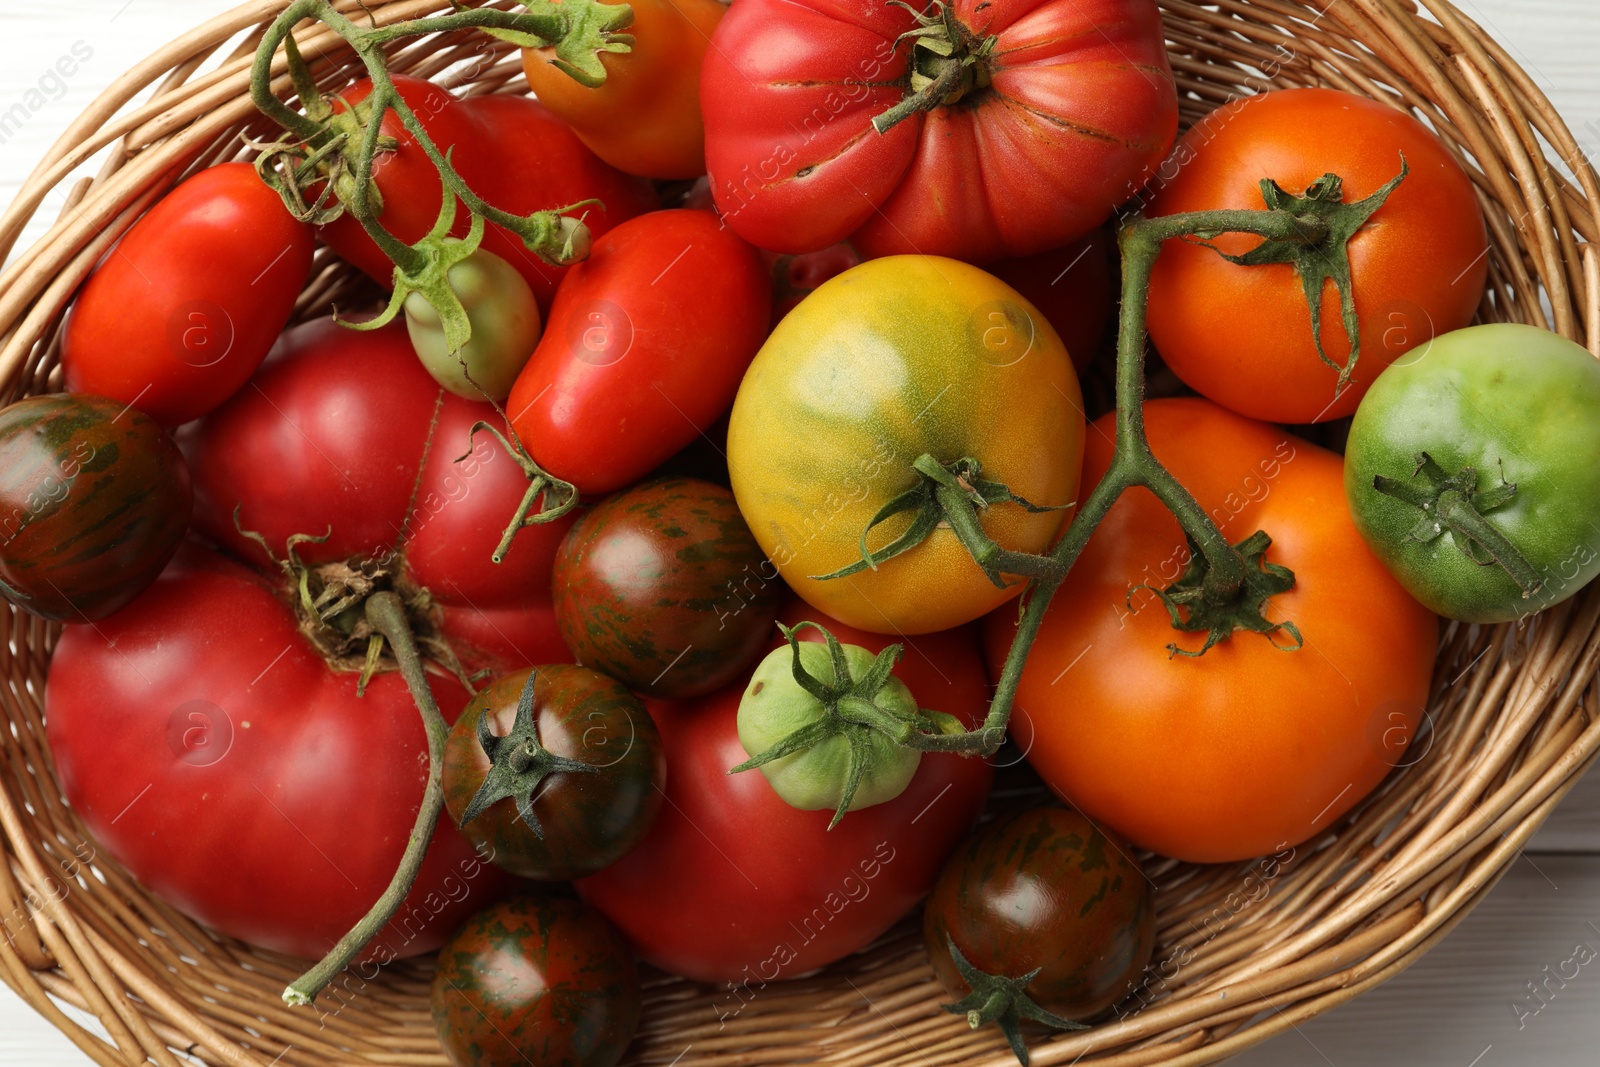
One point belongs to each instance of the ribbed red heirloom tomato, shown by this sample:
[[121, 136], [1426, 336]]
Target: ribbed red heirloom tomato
[[734, 885], [186, 306], [213, 754], [206, 741], [1248, 748], [1024, 123], [1241, 335], [511, 151], [643, 349]]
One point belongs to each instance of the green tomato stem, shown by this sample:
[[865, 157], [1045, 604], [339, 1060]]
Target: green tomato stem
[[579, 29], [387, 614], [1133, 464]]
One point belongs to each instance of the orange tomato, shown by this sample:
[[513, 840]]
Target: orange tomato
[[645, 118], [1242, 335], [1248, 749]]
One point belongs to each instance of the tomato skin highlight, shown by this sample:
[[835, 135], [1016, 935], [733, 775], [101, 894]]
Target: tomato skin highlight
[[242, 780], [645, 118], [1082, 103], [734, 885], [643, 349], [1417, 268], [662, 587], [95, 501], [890, 360], [1236, 755], [1510, 401], [537, 975], [183, 310], [510, 150], [587, 820], [1044, 889]]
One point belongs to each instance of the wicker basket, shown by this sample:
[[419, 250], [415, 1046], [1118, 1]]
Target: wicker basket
[[1243, 951]]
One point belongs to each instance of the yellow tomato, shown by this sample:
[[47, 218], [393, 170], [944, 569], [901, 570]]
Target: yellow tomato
[[890, 360], [645, 118]]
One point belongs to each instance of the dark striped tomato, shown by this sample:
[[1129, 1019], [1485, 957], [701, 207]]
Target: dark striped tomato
[[586, 820], [664, 587], [536, 980], [94, 499], [1044, 889]]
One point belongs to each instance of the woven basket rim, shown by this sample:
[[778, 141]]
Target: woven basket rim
[[1515, 708]]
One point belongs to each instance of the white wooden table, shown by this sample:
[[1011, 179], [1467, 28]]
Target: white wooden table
[[1469, 1003]]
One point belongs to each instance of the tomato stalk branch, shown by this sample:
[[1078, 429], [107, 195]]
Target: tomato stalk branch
[[387, 615], [1133, 464], [579, 30]]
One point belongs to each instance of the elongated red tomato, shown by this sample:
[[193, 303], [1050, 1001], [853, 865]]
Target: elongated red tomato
[[1037, 118], [733, 885], [186, 306], [643, 349], [511, 151]]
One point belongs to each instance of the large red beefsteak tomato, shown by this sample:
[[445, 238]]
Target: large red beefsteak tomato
[[1036, 119], [203, 738]]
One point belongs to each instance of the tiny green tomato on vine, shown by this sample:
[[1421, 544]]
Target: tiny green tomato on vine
[[827, 724]]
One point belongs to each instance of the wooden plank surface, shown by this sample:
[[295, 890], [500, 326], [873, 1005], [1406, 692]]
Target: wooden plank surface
[[1467, 1004]]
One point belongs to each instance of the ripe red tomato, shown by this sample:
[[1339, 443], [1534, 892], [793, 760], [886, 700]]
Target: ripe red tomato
[[212, 753], [511, 151], [645, 118], [1248, 748], [1076, 287], [1417, 267], [643, 349], [344, 433], [1045, 115], [732, 884], [185, 307]]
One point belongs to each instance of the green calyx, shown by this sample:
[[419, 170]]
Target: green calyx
[[518, 763], [951, 495], [1196, 609], [1454, 502], [429, 278], [948, 61], [1003, 1001], [834, 729], [1325, 259]]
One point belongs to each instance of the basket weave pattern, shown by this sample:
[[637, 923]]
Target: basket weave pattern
[[1243, 951]]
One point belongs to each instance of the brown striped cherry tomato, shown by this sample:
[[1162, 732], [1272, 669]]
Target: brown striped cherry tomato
[[1046, 893], [94, 500], [574, 766], [664, 587], [536, 980]]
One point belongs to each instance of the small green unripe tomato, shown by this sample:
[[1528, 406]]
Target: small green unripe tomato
[[775, 707], [505, 328]]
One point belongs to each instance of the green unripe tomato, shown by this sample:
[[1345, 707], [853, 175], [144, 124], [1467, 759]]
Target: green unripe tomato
[[1507, 402], [774, 706], [505, 328]]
